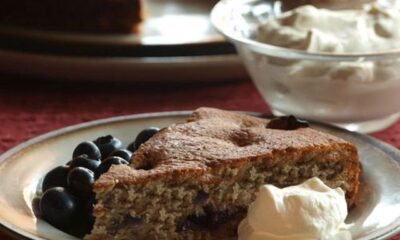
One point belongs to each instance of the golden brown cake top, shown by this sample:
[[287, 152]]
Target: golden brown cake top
[[211, 138]]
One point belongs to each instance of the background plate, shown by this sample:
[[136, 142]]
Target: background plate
[[177, 43], [129, 69], [376, 215], [168, 24]]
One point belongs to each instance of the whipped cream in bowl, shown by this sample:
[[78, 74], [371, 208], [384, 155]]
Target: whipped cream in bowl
[[336, 66], [309, 211], [372, 28]]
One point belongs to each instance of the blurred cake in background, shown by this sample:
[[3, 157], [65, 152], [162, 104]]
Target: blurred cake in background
[[96, 16]]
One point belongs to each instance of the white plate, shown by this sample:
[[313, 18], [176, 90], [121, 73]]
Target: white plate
[[376, 216]]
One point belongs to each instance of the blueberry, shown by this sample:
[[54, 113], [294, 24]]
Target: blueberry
[[122, 153], [88, 148], [84, 161], [59, 207], [107, 144], [88, 204], [131, 147], [82, 225], [80, 181], [56, 178], [36, 206], [85, 220], [106, 164], [88, 207], [287, 123], [142, 137]]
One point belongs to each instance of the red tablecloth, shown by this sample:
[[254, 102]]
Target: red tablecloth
[[32, 107]]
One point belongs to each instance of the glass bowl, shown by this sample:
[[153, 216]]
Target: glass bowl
[[360, 92]]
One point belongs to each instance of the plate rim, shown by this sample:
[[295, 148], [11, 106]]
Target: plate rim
[[118, 39], [227, 67], [393, 152], [132, 59]]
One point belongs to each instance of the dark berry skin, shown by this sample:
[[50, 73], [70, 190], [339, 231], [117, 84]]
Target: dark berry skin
[[107, 145], [59, 207], [84, 221], [106, 164], [88, 148], [131, 147], [88, 205], [287, 123], [36, 207], [82, 226], [122, 153], [142, 137], [80, 181], [56, 178], [84, 161]]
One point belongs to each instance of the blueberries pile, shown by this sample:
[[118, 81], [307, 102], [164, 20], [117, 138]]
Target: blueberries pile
[[67, 200]]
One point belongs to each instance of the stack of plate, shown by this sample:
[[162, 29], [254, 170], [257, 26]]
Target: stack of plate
[[176, 43]]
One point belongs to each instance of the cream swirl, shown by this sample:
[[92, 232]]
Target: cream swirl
[[372, 28], [307, 211]]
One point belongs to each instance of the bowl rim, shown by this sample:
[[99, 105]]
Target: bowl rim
[[220, 13]]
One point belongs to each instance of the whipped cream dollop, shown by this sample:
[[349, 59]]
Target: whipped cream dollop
[[307, 211], [370, 29]]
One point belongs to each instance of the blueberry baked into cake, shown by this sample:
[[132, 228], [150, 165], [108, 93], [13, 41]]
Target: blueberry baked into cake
[[195, 180]]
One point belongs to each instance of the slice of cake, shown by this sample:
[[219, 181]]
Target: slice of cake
[[195, 180], [97, 16]]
